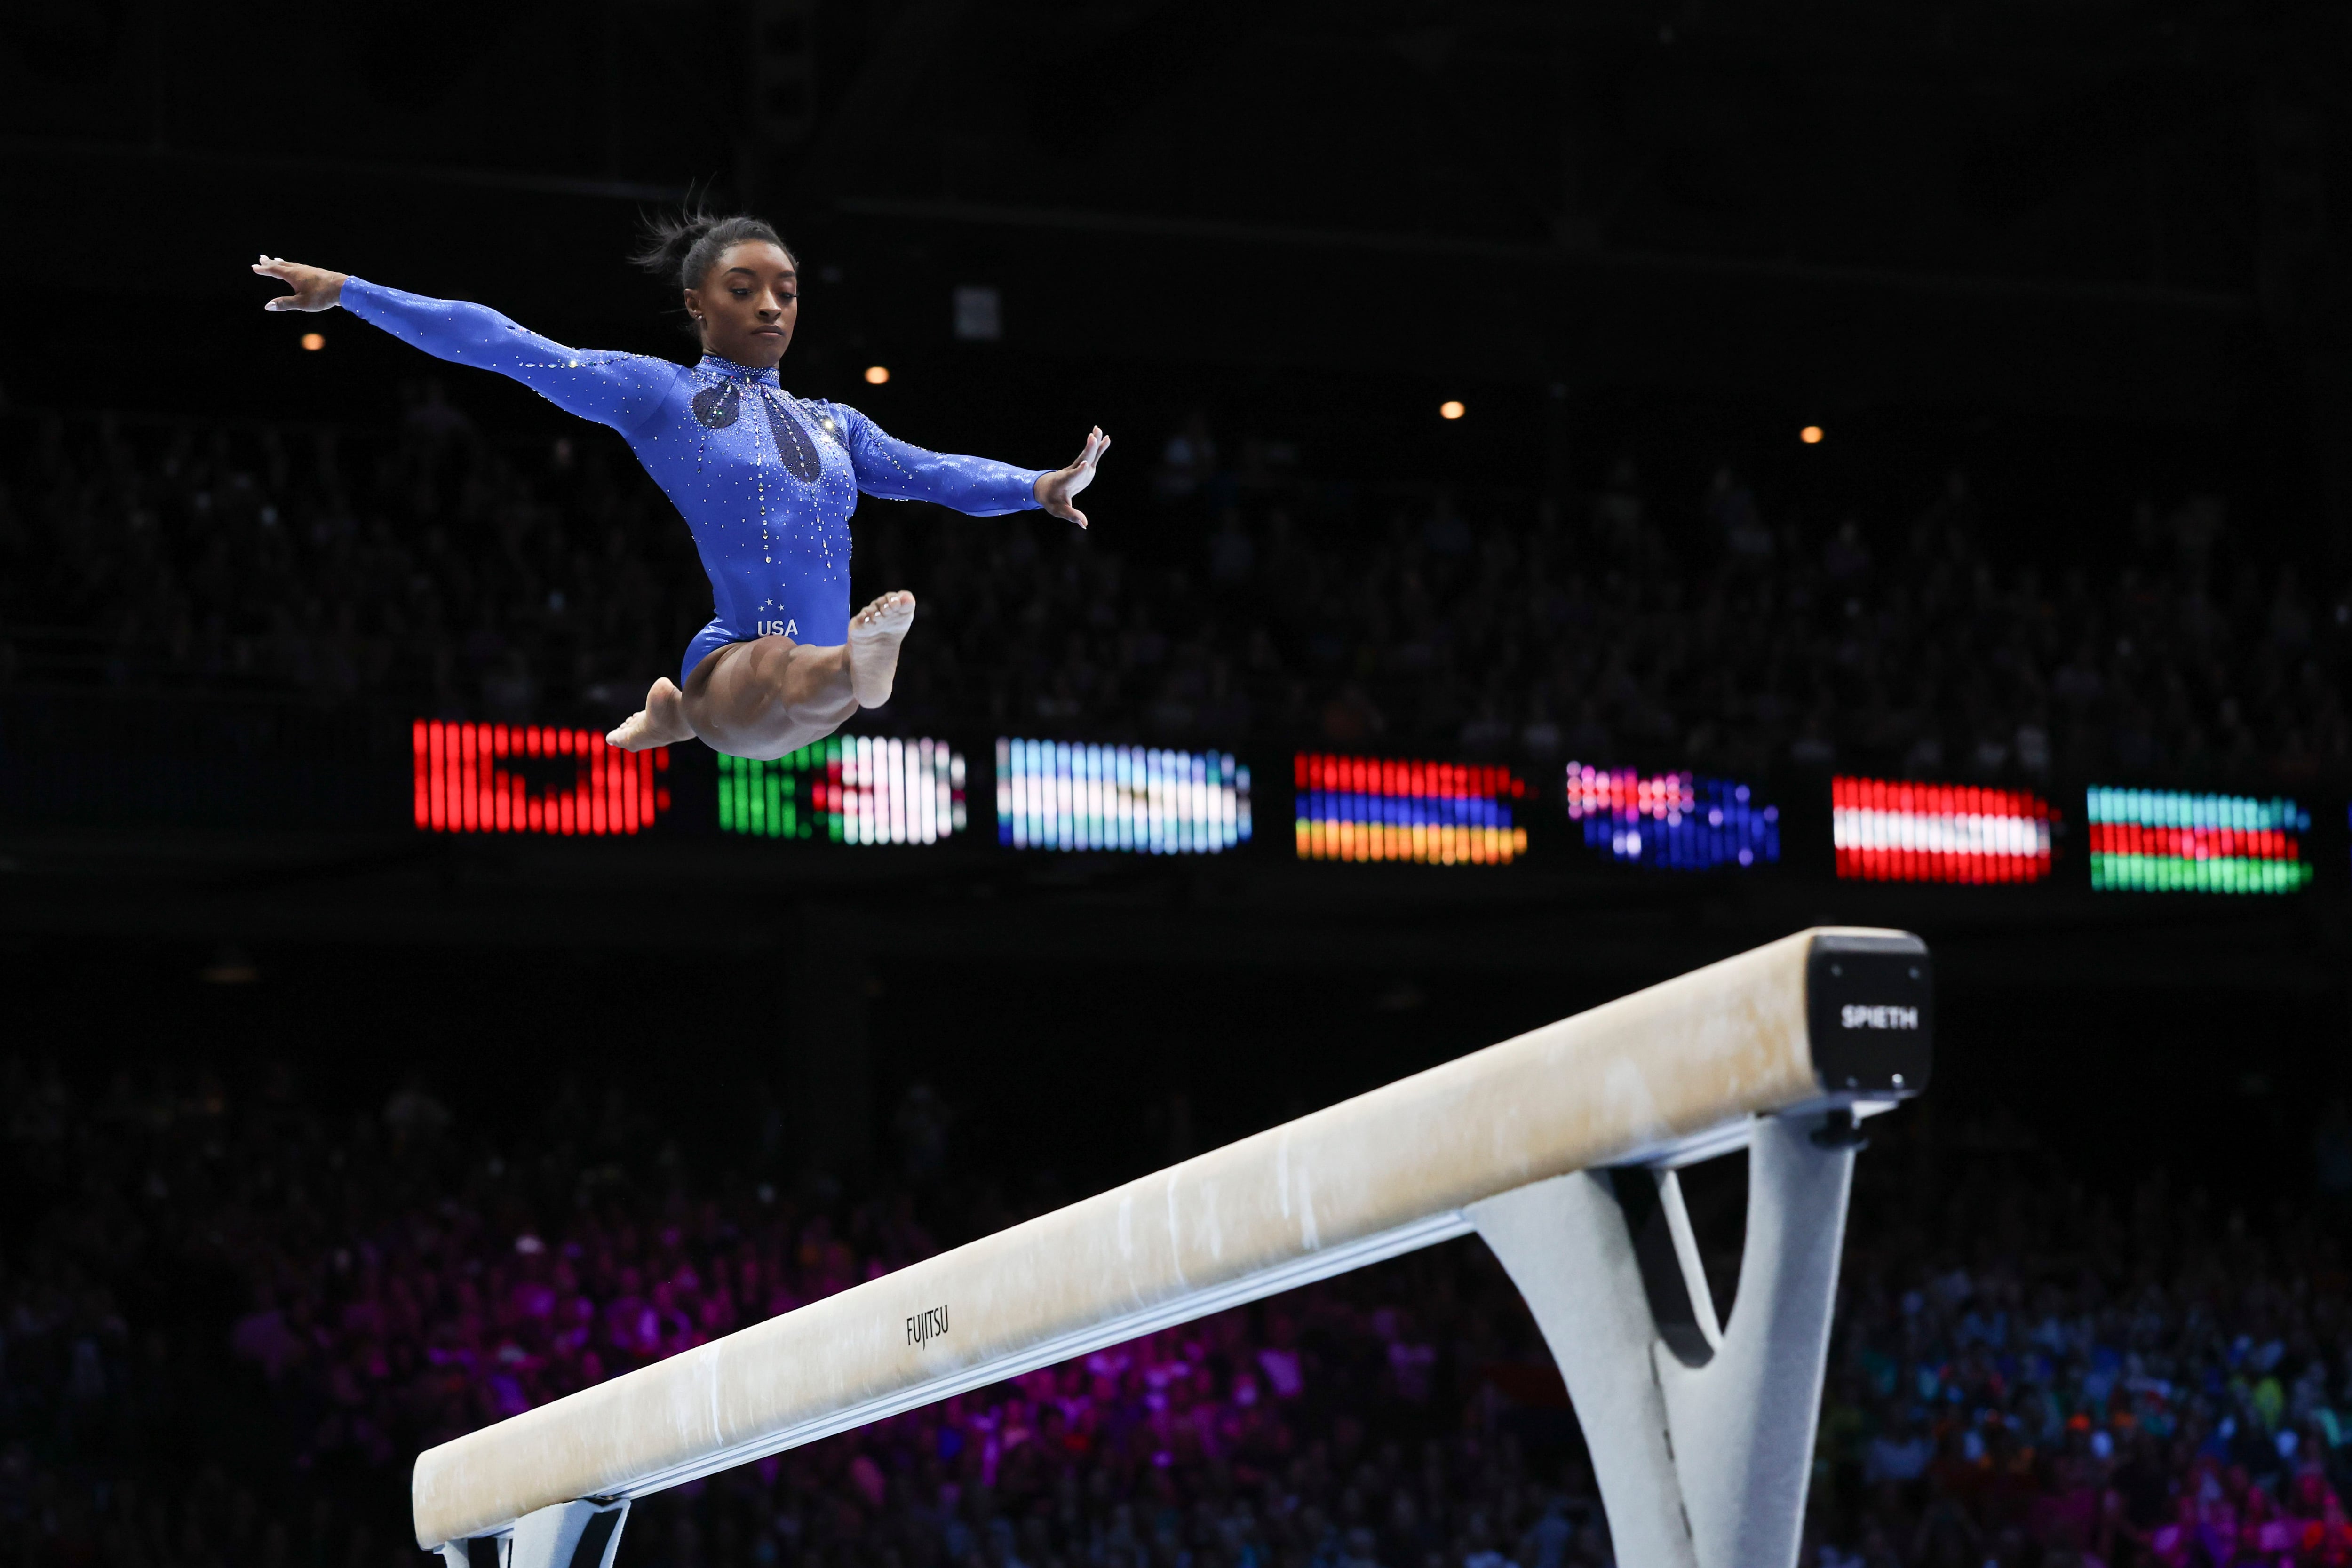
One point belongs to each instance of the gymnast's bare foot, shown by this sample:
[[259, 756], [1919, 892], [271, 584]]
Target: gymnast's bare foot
[[660, 723], [875, 634]]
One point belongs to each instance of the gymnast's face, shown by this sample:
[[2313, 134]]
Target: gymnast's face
[[748, 304]]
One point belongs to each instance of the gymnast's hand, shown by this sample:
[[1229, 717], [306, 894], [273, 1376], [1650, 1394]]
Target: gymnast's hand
[[315, 288], [1054, 490]]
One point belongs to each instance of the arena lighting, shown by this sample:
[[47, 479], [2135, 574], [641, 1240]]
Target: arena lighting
[[314, 342], [1888, 830], [1062, 795], [1384, 808], [1677, 822], [875, 375], [527, 778], [2167, 841], [1450, 409], [1811, 435], [847, 789]]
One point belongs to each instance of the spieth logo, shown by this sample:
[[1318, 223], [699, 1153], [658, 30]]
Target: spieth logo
[[1856, 1017]]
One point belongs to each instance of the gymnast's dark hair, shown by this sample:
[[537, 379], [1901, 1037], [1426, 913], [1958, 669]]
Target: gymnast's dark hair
[[682, 249]]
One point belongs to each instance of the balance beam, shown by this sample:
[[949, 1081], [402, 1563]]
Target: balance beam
[[1812, 1030]]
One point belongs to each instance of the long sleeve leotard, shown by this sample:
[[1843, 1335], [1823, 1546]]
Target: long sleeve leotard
[[765, 481]]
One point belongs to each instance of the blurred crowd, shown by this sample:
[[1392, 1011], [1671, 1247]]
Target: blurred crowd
[[228, 1318], [440, 571], [424, 568], [2026, 1370], [435, 571]]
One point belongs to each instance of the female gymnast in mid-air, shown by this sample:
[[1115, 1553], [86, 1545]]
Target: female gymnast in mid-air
[[766, 480]]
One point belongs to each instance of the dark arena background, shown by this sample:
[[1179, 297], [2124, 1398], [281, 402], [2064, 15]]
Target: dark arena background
[[1596, 489]]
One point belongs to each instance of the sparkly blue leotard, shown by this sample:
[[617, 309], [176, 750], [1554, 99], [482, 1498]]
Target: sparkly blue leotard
[[768, 496]]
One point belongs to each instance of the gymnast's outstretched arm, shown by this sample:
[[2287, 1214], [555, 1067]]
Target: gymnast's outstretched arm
[[623, 391], [892, 469]]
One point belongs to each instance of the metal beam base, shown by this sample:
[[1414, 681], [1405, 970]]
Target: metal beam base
[[584, 1534], [1702, 1437]]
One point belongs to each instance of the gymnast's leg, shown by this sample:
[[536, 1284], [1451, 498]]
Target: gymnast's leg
[[771, 695]]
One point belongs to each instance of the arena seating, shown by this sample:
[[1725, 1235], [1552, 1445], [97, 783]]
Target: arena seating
[[436, 572], [229, 1281]]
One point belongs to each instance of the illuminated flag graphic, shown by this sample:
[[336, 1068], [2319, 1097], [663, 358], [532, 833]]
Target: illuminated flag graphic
[[847, 789], [1061, 795], [1679, 822], [1383, 808], [530, 778], [1889, 830], [2166, 841]]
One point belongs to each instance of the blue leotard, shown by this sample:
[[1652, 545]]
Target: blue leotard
[[766, 480]]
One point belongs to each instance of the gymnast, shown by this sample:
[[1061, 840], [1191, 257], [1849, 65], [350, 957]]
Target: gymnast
[[765, 481]]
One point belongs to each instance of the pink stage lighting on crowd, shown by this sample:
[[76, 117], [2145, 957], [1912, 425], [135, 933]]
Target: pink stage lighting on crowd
[[1384, 808], [1892, 830], [529, 778], [1677, 822]]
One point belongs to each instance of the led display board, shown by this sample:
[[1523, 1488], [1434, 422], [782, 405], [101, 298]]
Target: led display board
[[1675, 821], [1067, 794], [1900, 830], [1386, 808], [2168, 841], [532, 778], [848, 789]]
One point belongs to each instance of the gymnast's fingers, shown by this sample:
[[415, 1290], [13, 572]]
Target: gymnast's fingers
[[269, 267]]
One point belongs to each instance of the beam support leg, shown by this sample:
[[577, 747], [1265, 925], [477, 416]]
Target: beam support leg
[[584, 1534], [1702, 1442]]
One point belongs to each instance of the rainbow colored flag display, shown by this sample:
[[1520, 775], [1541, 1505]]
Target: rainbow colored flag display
[[1388, 808], [1898, 830], [1677, 822], [2169, 841], [848, 789]]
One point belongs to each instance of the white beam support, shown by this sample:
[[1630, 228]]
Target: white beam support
[[584, 1534], [1702, 1441], [1797, 1038]]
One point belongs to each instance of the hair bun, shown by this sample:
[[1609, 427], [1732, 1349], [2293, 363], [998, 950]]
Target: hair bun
[[682, 248]]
